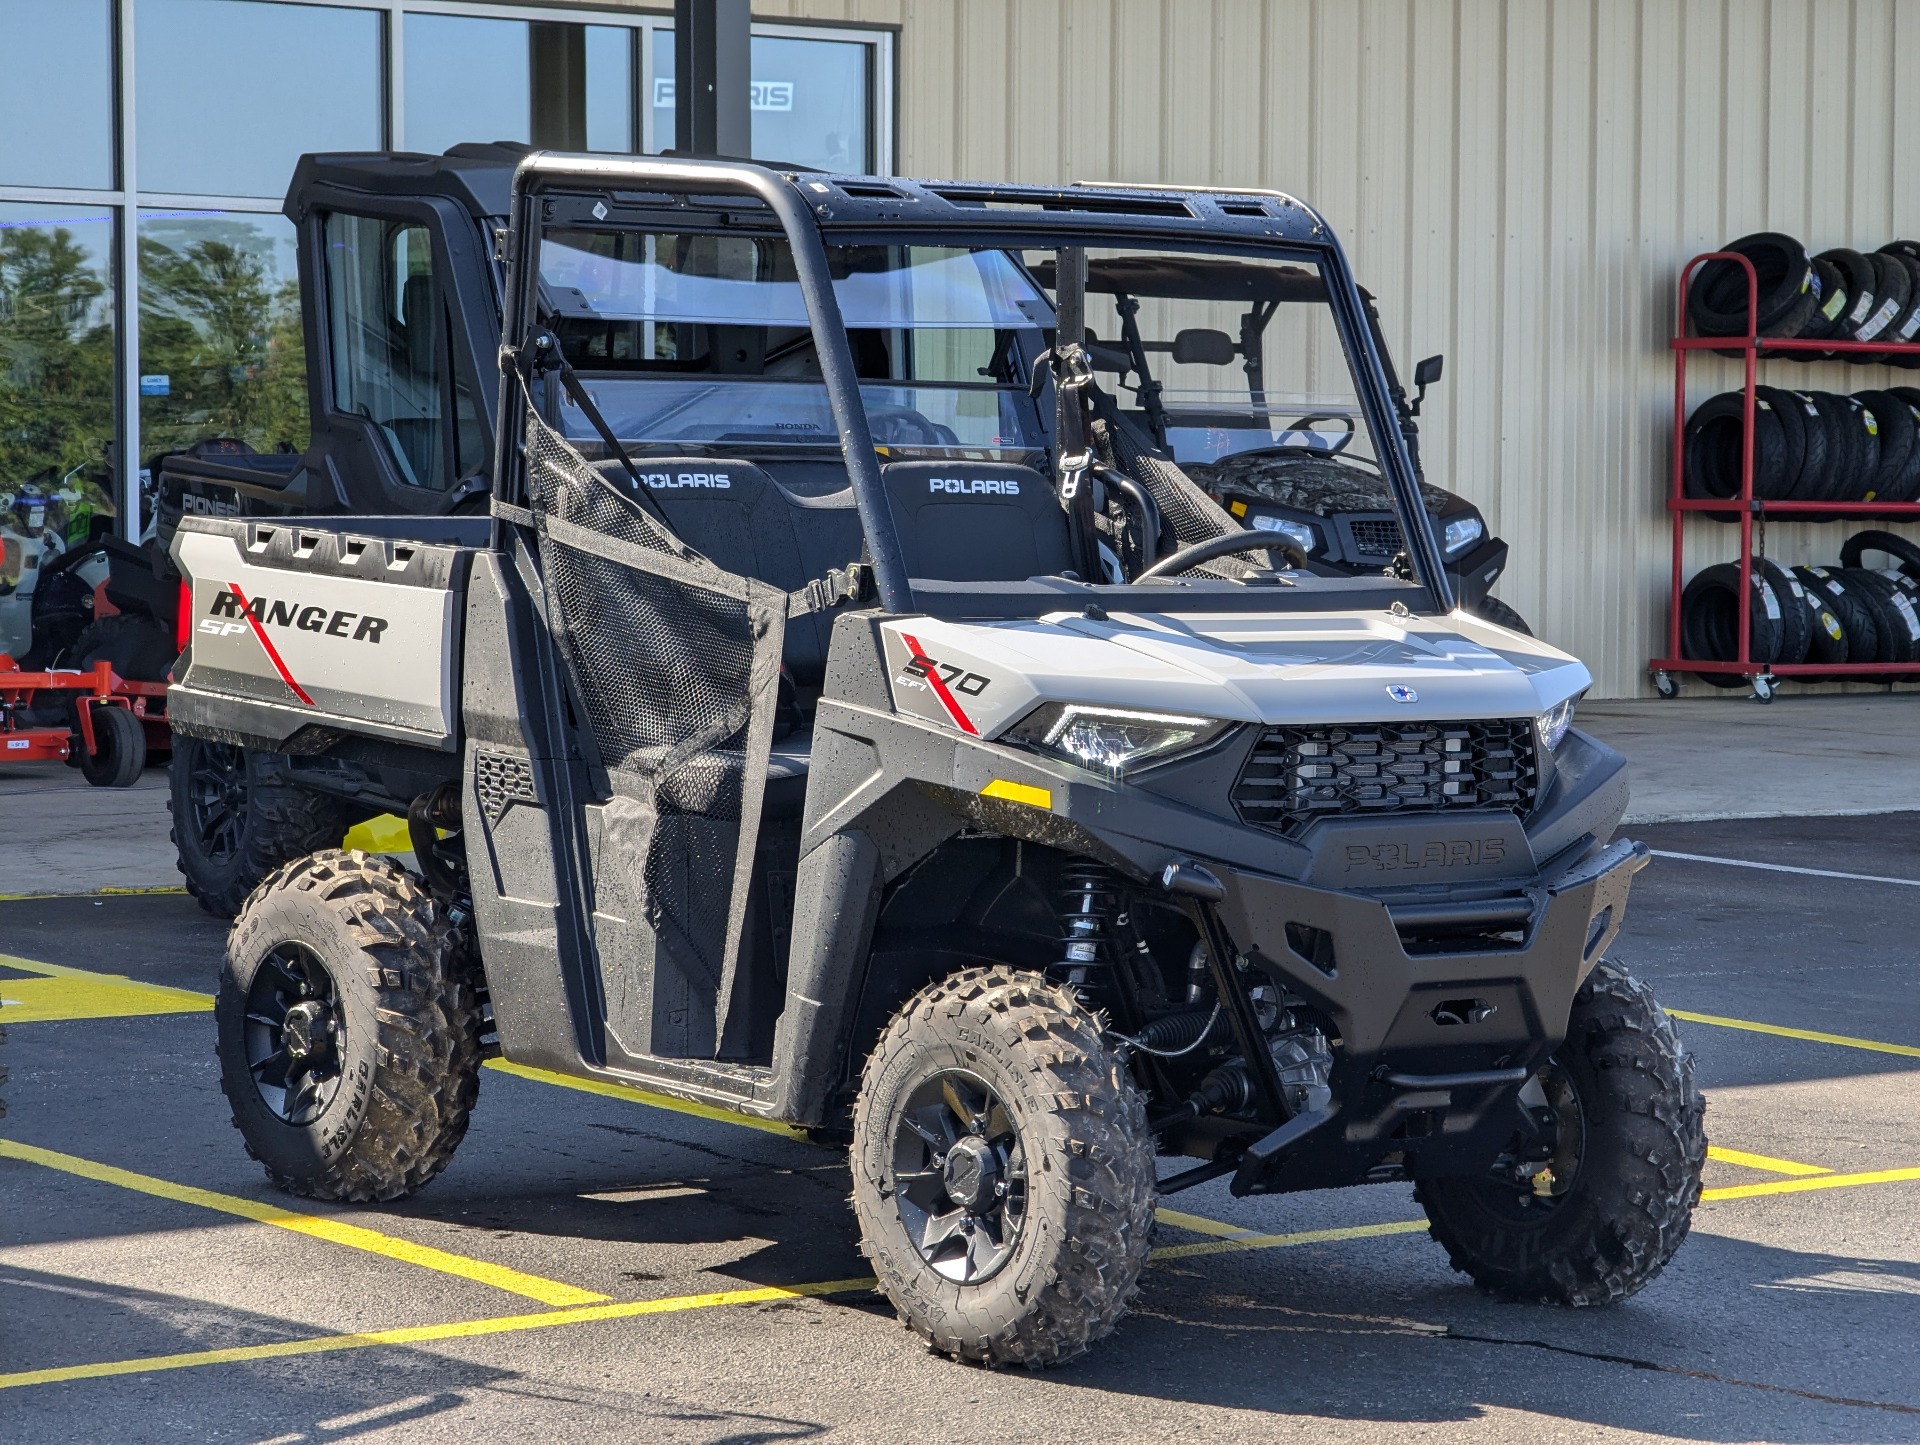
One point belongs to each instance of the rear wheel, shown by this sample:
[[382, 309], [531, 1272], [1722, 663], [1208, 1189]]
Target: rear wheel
[[140, 649], [1615, 1200], [231, 829], [349, 1030], [1003, 1174]]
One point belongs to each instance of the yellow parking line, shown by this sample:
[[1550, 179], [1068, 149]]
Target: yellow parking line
[[1762, 1161], [334, 1231], [1234, 1239], [1228, 1238], [606, 1088], [76, 993], [631, 1309], [1845, 1041], [88, 893], [426, 1334], [1797, 1186]]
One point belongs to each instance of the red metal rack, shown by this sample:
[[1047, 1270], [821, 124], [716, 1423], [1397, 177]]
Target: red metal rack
[[1753, 349]]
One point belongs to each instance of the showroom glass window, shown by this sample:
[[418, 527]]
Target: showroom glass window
[[231, 92], [549, 82], [161, 207], [221, 353], [56, 352], [812, 101], [56, 94]]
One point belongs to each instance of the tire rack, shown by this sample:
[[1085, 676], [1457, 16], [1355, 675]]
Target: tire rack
[[1753, 349]]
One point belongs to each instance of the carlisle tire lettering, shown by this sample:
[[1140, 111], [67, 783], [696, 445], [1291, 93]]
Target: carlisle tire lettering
[[334, 622]]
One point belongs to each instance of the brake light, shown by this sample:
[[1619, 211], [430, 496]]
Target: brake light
[[183, 616]]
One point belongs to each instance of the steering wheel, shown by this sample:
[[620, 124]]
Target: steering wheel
[[1224, 546], [1304, 427], [902, 426]]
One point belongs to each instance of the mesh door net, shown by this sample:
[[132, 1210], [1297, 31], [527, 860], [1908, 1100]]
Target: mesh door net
[[676, 666]]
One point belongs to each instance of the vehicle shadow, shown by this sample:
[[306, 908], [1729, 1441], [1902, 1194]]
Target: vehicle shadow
[[51, 1320], [1389, 1336]]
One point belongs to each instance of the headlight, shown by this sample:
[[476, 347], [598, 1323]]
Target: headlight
[[1300, 533], [1463, 532], [1111, 740], [1552, 724]]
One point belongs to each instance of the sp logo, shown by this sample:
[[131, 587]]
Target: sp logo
[[1400, 692]]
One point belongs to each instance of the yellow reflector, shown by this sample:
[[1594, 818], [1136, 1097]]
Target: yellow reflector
[[384, 834], [1018, 793], [1239, 509]]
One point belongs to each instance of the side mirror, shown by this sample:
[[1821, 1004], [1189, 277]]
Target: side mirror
[[1198, 346], [1425, 374]]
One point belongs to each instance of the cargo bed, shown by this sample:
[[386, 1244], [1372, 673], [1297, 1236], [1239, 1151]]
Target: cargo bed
[[301, 631]]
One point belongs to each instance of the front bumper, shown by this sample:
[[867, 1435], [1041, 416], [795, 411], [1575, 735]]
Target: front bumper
[[1432, 1045]]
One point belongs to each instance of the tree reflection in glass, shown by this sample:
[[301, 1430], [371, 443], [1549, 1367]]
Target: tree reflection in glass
[[221, 351]]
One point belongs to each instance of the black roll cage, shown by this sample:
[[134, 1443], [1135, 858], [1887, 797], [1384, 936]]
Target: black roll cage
[[814, 211]]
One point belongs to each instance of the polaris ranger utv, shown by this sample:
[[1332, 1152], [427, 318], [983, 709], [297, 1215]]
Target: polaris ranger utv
[[813, 731]]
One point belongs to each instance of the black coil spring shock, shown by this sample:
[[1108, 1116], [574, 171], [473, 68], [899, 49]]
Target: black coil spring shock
[[1090, 899]]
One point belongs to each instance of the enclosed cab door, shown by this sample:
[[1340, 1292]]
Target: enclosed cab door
[[399, 394]]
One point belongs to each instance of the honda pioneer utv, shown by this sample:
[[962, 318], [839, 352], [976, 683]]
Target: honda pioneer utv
[[816, 731]]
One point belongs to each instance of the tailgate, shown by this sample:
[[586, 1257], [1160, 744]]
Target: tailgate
[[317, 629]]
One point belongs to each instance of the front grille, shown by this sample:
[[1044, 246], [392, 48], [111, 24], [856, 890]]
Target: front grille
[[1297, 775], [1376, 537]]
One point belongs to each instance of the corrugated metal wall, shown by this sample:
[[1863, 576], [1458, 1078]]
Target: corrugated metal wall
[[1518, 181]]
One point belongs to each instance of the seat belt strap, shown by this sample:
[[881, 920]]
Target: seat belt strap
[[851, 583]]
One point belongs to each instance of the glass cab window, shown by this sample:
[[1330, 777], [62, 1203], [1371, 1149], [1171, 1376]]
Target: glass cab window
[[704, 340], [391, 364]]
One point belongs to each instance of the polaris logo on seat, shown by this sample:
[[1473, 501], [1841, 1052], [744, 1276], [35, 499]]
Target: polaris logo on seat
[[714, 481], [976, 486]]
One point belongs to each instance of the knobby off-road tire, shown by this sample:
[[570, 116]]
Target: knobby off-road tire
[[1492, 609], [140, 649], [405, 1028], [1630, 1200], [1073, 1265], [231, 828]]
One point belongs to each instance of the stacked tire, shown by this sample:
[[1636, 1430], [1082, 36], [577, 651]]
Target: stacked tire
[[1808, 446], [1837, 295], [1821, 615]]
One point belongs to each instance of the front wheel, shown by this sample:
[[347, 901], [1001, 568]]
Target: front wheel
[[1003, 1173], [1614, 1201], [349, 1030]]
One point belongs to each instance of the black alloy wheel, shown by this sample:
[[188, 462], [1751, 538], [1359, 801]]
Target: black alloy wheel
[[217, 800], [960, 1176], [1521, 1195], [294, 1034]]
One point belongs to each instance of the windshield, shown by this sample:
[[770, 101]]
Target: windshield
[[701, 340], [1218, 358]]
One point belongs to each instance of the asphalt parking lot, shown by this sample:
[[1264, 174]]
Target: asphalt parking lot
[[596, 1266]]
